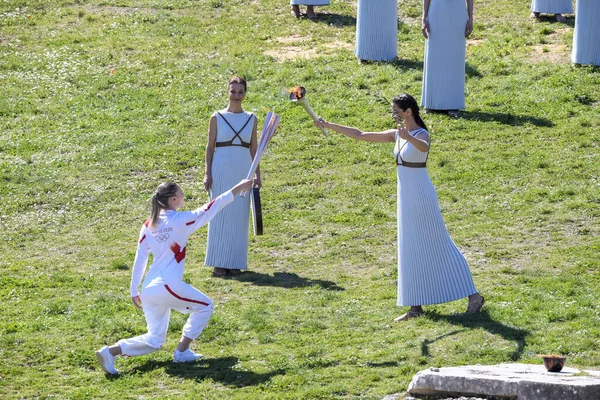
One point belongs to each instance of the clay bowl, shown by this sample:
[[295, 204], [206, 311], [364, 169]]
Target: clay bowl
[[553, 362]]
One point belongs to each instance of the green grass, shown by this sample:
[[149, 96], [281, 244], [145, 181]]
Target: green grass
[[101, 101]]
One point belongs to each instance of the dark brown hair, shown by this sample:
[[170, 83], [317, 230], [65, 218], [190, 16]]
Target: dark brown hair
[[406, 101], [237, 79]]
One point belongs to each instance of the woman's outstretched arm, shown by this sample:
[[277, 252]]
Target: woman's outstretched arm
[[355, 133]]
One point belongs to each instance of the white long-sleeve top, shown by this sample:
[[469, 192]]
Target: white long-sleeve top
[[167, 242]]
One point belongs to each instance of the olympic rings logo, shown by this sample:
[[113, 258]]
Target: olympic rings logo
[[163, 237]]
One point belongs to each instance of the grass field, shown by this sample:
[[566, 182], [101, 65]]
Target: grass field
[[100, 101]]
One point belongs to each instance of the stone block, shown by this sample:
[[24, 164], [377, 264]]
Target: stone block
[[507, 381]]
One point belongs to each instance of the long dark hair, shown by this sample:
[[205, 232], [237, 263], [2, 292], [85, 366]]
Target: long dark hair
[[406, 101], [160, 199], [237, 79]]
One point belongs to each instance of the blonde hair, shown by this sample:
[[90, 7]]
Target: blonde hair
[[160, 200]]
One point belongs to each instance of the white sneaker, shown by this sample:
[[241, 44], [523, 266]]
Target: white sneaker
[[186, 356], [106, 360]]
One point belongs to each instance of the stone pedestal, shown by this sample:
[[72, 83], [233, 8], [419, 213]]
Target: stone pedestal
[[508, 381]]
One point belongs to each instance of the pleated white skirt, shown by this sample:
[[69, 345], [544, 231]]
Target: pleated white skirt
[[431, 269], [552, 6], [227, 243], [377, 30], [445, 54], [586, 37]]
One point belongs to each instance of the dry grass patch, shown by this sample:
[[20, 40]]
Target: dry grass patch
[[291, 39], [557, 34], [553, 53], [339, 45], [475, 42], [114, 10], [291, 53], [285, 53]]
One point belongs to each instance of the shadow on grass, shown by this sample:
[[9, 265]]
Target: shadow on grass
[[472, 72], [383, 364], [335, 19], [483, 320], [507, 119], [427, 342], [404, 64], [398, 63], [284, 280], [216, 369], [551, 18]]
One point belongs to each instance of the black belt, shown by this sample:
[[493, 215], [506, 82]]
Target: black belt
[[226, 144], [413, 164]]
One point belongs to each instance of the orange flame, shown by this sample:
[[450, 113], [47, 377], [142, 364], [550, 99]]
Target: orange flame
[[297, 90]]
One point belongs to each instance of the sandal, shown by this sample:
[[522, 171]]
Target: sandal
[[235, 272], [475, 306], [296, 11], [408, 315], [219, 272]]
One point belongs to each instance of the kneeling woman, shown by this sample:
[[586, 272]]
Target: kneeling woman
[[165, 235], [431, 269]]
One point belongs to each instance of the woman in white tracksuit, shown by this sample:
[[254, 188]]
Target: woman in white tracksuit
[[165, 235]]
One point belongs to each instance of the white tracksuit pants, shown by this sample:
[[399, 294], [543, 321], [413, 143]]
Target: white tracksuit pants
[[157, 302]]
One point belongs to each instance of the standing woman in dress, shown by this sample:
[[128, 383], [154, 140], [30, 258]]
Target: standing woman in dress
[[377, 30], [586, 37], [310, 7], [230, 150], [431, 269], [556, 7], [446, 25]]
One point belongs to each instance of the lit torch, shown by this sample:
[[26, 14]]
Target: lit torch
[[298, 94]]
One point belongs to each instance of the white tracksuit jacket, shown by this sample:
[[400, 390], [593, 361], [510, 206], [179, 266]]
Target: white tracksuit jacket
[[163, 288]]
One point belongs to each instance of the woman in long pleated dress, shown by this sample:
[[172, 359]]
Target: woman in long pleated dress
[[310, 7], [586, 37], [230, 150], [556, 7], [431, 269], [446, 24], [377, 30]]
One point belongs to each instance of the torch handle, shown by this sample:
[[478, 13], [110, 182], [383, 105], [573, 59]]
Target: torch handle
[[253, 168], [269, 128], [312, 114]]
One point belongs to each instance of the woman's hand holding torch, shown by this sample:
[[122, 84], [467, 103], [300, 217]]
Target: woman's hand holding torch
[[298, 94]]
